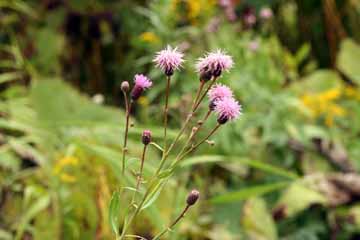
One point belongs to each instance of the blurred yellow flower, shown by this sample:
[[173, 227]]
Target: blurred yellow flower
[[143, 101], [324, 104], [61, 164], [149, 37], [194, 8], [67, 178]]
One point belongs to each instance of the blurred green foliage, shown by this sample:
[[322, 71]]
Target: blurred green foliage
[[289, 169]]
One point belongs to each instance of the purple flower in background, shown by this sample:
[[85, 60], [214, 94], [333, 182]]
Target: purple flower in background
[[254, 45], [266, 13], [248, 17], [141, 83], [227, 109], [169, 60], [213, 64]]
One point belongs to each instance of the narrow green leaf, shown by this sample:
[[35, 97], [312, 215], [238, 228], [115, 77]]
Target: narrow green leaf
[[249, 192], [252, 163], [114, 210], [39, 205]]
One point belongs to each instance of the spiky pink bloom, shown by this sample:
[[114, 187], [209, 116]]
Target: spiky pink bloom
[[141, 83], [169, 60], [227, 109], [218, 92], [214, 63]]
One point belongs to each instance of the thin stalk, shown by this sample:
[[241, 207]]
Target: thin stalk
[[139, 177], [212, 81], [182, 214], [200, 88], [166, 109], [127, 112], [193, 148], [193, 134]]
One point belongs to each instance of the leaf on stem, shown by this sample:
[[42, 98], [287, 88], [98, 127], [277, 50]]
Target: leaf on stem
[[114, 210]]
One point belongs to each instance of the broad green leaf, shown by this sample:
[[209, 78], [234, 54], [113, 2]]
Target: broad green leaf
[[257, 221], [10, 76], [348, 60], [114, 212], [299, 196], [249, 192]]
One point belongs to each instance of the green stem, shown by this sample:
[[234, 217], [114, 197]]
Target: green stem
[[193, 148], [127, 112], [139, 177], [212, 81], [182, 214], [166, 109]]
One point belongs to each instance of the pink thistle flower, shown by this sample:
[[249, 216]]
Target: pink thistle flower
[[169, 60], [227, 109], [213, 64], [266, 13], [219, 91], [141, 83]]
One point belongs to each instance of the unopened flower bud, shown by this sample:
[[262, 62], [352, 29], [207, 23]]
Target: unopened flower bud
[[146, 137], [210, 142], [125, 87], [212, 105], [169, 71], [136, 92], [222, 119], [192, 197], [205, 76]]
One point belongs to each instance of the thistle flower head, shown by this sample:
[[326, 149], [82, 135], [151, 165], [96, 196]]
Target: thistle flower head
[[214, 63], [146, 137], [193, 197], [219, 91], [227, 109], [169, 60], [141, 83]]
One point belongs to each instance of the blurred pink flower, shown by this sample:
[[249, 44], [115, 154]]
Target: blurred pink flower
[[227, 109], [169, 60], [266, 13], [254, 45], [214, 63]]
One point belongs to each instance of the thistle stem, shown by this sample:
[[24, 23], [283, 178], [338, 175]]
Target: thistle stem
[[213, 80], [193, 134], [182, 214], [193, 148], [127, 112], [139, 177], [166, 109], [200, 88]]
